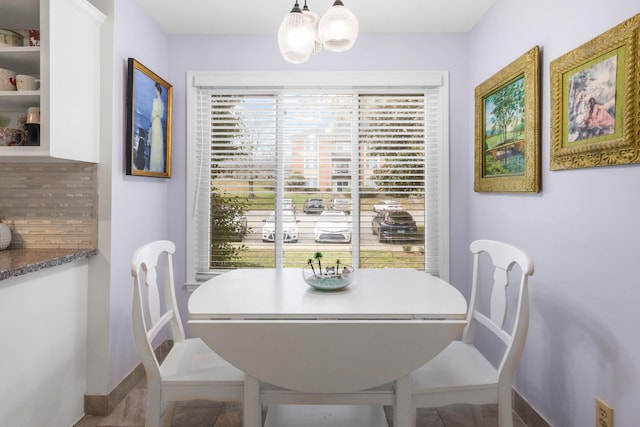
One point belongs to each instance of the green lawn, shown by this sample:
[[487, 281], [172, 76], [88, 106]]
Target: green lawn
[[298, 258]]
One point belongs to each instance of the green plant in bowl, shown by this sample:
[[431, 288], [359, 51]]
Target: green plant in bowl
[[332, 277]]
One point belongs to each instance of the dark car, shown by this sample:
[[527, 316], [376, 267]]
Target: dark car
[[313, 206], [394, 225]]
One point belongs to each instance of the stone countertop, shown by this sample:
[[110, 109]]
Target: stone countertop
[[16, 262]]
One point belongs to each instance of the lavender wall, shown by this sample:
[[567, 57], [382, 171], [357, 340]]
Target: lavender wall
[[372, 52], [139, 205], [582, 231]]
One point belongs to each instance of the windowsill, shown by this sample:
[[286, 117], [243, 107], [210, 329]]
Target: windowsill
[[192, 286], [201, 278], [16, 262]]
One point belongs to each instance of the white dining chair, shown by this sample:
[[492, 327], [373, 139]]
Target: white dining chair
[[461, 373], [191, 370]]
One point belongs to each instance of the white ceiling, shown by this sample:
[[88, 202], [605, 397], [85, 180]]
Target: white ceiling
[[264, 16]]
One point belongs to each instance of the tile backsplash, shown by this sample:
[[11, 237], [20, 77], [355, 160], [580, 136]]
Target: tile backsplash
[[50, 204]]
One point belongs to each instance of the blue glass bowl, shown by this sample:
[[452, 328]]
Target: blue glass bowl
[[328, 281]]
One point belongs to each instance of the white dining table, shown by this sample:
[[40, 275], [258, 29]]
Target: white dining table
[[270, 324]]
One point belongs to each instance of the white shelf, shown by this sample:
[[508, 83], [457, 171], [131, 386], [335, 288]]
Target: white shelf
[[20, 153], [19, 100], [22, 60]]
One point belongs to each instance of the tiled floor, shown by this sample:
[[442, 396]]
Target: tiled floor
[[130, 413]]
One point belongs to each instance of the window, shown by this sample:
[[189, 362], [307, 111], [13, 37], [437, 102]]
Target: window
[[310, 145], [261, 151]]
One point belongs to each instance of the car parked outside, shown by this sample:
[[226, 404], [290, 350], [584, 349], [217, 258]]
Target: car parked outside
[[394, 225], [332, 227], [313, 206], [387, 205], [340, 204], [290, 228], [288, 205]]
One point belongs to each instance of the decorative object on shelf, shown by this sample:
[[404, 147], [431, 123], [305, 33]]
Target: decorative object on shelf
[[595, 101], [149, 109], [10, 38], [11, 137], [33, 115], [34, 37], [331, 278], [7, 80], [32, 127], [32, 134], [26, 82], [507, 128], [302, 33], [5, 236]]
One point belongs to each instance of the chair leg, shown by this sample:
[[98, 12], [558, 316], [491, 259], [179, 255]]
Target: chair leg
[[402, 407], [505, 412], [154, 406], [168, 414]]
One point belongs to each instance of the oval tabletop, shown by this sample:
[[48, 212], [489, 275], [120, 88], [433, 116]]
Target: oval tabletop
[[272, 325]]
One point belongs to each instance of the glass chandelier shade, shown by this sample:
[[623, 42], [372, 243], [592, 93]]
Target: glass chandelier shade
[[338, 28], [296, 36], [315, 20]]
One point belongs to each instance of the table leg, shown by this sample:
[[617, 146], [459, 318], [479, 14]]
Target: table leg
[[402, 408], [252, 412]]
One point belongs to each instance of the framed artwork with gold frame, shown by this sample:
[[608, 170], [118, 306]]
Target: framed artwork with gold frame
[[507, 128], [149, 109], [595, 101]]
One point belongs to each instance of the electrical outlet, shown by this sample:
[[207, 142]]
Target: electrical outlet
[[604, 414]]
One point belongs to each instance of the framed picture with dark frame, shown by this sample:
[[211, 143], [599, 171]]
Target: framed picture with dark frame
[[149, 108], [595, 101], [507, 128]]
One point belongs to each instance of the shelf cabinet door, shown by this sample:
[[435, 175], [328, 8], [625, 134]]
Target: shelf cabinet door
[[70, 75]]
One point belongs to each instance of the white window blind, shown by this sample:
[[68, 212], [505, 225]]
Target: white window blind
[[256, 149]]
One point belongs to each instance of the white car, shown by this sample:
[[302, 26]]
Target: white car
[[288, 205], [290, 229], [332, 227], [387, 205]]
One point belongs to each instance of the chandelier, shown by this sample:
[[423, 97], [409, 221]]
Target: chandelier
[[303, 33]]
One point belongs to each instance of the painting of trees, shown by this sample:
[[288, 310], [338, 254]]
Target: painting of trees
[[505, 130]]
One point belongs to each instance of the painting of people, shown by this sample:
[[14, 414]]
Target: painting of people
[[149, 100], [592, 101]]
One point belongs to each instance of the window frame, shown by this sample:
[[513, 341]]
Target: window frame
[[324, 80]]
